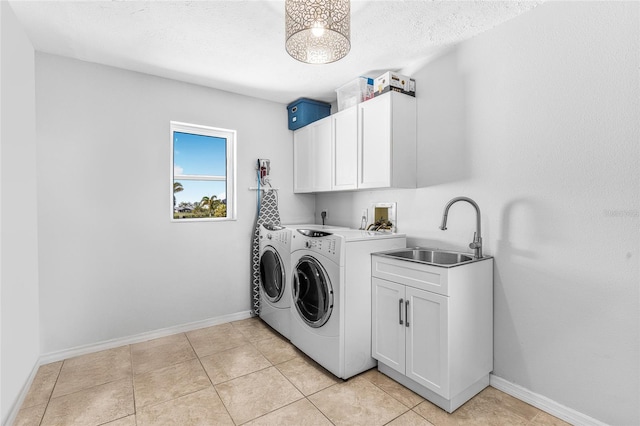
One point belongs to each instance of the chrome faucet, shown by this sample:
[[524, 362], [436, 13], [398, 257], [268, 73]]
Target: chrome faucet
[[476, 245]]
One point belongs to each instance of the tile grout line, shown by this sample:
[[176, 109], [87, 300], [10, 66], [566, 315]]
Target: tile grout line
[[320, 390], [300, 390], [237, 377], [171, 366], [208, 377], [297, 400], [272, 411], [272, 365], [510, 410], [133, 385], [254, 343], [90, 387], [51, 394], [530, 422], [318, 408], [397, 417], [410, 408], [391, 396], [307, 396], [119, 418]]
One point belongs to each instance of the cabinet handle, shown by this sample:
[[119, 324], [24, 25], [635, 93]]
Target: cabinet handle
[[406, 313], [400, 311]]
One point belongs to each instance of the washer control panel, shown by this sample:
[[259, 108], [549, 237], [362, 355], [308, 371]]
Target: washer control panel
[[313, 233]]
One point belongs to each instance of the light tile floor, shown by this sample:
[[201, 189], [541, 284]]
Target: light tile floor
[[238, 373]]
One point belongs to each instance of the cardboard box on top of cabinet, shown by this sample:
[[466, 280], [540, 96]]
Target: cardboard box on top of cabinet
[[396, 82]]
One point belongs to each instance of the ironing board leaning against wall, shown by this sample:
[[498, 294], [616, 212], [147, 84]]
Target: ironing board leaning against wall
[[267, 214]]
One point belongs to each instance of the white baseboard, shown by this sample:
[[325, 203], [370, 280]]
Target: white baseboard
[[545, 404], [13, 413], [142, 337]]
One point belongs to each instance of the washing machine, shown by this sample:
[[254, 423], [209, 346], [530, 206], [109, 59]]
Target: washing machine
[[331, 295], [275, 277]]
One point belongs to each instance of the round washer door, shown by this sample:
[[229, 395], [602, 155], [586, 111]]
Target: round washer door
[[272, 276], [312, 292]]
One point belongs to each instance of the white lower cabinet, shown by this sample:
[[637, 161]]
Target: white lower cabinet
[[410, 333], [426, 354], [432, 327]]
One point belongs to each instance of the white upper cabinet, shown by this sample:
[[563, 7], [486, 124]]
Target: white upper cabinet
[[387, 142], [370, 145], [312, 157], [302, 180], [345, 149]]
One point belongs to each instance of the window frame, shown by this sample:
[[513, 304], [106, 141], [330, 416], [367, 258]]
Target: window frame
[[230, 137]]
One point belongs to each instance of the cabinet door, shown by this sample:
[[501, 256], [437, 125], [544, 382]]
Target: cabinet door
[[374, 157], [427, 340], [345, 149], [321, 161], [388, 329], [312, 157], [302, 159]]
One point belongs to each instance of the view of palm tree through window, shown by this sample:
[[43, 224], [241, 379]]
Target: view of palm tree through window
[[199, 176]]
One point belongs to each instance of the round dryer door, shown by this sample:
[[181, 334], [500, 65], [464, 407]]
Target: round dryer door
[[272, 276], [312, 292]]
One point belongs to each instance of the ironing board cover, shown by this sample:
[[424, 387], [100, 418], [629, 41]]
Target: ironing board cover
[[268, 214]]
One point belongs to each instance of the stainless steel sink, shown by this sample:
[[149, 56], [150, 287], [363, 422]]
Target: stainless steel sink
[[430, 256]]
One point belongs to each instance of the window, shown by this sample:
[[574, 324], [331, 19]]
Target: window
[[203, 174]]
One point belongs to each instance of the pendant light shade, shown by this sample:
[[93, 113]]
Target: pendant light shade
[[318, 31]]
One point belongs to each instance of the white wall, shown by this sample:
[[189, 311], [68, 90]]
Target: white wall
[[537, 120], [18, 212], [111, 263]]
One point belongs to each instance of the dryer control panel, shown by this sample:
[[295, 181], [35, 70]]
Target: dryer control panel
[[274, 235]]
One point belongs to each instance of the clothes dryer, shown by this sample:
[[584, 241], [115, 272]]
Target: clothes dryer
[[275, 273], [331, 295]]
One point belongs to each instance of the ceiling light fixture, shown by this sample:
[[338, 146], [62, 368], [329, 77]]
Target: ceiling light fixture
[[318, 31]]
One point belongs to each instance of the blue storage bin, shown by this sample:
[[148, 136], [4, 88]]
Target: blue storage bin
[[305, 111]]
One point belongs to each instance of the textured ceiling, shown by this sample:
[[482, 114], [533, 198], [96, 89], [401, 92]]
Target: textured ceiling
[[239, 45]]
